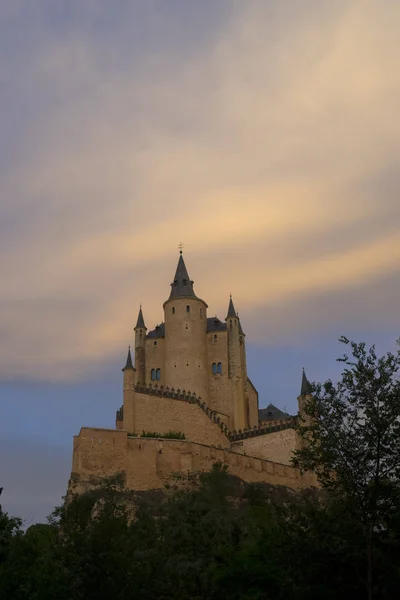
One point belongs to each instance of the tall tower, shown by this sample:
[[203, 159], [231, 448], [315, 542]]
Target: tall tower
[[185, 317], [236, 368], [302, 399], [140, 353], [129, 391]]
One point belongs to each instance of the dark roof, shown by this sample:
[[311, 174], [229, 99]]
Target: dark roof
[[231, 310], [140, 320], [271, 413], [214, 324], [306, 388], [158, 332], [182, 286], [129, 364]]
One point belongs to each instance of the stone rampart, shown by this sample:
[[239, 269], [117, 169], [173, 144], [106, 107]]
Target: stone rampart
[[149, 463]]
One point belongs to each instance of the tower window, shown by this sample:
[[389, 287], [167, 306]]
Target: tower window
[[214, 368], [201, 312], [219, 368], [215, 336], [173, 310], [158, 374], [153, 374], [155, 343], [188, 308]]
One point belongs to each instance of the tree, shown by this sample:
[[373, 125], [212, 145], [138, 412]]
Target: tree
[[351, 435]]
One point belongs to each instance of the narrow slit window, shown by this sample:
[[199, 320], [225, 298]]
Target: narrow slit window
[[188, 308], [214, 368], [153, 374], [219, 368], [158, 374]]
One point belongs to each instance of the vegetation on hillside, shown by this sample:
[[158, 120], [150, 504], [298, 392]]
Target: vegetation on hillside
[[204, 540]]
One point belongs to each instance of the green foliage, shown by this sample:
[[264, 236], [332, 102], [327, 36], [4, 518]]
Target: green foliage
[[351, 435], [170, 435]]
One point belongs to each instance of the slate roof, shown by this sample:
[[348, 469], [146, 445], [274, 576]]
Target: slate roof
[[306, 388], [140, 320], [129, 364], [271, 413], [214, 324], [182, 286], [158, 332], [231, 310]]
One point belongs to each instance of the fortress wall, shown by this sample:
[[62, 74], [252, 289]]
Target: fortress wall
[[277, 446], [150, 463], [160, 414]]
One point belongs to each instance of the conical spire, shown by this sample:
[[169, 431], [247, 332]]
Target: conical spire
[[182, 286], [140, 321], [129, 364], [306, 388], [231, 310]]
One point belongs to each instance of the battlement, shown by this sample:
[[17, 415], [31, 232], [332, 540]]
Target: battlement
[[264, 429]]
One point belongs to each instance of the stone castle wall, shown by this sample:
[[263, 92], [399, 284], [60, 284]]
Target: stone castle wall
[[145, 412], [277, 446], [149, 463]]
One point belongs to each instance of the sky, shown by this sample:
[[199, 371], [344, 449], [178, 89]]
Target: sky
[[263, 135]]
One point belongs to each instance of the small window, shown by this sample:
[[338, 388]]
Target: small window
[[155, 343], [153, 374], [219, 368], [215, 336], [173, 310], [188, 308], [214, 368], [158, 374], [201, 312]]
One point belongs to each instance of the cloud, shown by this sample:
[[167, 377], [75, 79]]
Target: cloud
[[267, 142]]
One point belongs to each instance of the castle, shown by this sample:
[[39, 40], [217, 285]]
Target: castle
[[188, 403]]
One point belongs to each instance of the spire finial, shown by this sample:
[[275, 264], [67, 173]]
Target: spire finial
[[180, 246]]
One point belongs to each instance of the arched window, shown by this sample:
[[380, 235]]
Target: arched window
[[219, 368], [158, 374], [188, 308], [153, 374], [201, 312], [215, 336], [155, 343], [173, 310], [214, 368]]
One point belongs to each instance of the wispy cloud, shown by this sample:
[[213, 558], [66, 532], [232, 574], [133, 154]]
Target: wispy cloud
[[268, 142]]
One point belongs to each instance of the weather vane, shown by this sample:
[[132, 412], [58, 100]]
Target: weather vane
[[180, 246]]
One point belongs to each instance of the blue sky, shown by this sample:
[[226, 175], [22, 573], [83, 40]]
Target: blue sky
[[264, 135]]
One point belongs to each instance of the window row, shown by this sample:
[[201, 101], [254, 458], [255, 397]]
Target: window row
[[155, 374], [217, 368], [187, 310]]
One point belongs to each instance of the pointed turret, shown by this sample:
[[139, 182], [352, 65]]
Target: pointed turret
[[231, 310], [182, 286], [306, 388], [140, 321], [129, 364]]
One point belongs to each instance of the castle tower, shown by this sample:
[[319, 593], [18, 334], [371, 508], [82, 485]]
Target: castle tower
[[129, 383], [140, 351], [302, 399], [185, 316], [236, 368]]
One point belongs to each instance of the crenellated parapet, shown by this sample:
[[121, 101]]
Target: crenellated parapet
[[263, 430]]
